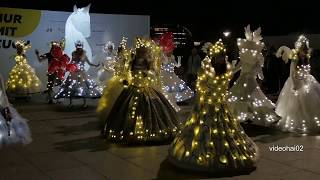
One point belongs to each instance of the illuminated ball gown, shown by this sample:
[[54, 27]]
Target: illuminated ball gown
[[140, 113], [299, 101], [175, 87], [212, 140], [114, 86], [106, 69], [18, 127], [246, 99], [22, 79], [78, 84]]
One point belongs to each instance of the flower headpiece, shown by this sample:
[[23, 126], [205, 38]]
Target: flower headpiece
[[155, 49], [301, 42], [23, 44], [252, 41], [109, 44], [287, 53], [60, 44], [78, 44], [124, 42], [299, 45], [166, 41], [214, 49], [124, 50]]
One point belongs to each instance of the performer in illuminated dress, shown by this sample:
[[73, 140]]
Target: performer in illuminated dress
[[106, 70], [174, 88], [78, 83], [300, 97], [212, 140], [141, 113], [13, 128], [246, 99], [57, 65], [22, 80]]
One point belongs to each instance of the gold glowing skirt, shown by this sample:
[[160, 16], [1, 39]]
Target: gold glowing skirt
[[139, 115], [110, 95], [213, 141], [23, 80]]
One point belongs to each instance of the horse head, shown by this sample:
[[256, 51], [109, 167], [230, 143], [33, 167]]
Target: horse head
[[80, 19]]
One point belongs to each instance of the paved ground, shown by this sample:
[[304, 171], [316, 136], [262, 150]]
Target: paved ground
[[67, 146]]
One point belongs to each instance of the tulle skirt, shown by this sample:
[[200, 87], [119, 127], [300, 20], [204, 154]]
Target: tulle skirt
[[19, 130], [110, 94], [175, 87], [248, 102], [299, 108], [141, 115], [79, 85], [103, 76], [23, 81]]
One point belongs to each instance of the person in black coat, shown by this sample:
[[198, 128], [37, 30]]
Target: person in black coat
[[315, 64], [272, 71]]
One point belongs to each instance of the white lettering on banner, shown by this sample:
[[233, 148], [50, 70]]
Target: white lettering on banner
[[40, 27], [8, 43], [12, 19]]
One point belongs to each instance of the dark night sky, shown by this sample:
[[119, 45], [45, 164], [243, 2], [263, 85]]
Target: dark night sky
[[204, 20]]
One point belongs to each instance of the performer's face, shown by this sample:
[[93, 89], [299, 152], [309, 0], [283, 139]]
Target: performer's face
[[142, 53], [303, 53], [19, 50], [79, 49], [120, 49]]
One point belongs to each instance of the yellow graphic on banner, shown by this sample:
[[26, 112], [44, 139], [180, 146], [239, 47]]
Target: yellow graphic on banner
[[18, 22]]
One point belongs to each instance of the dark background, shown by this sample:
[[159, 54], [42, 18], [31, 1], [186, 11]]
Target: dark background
[[205, 19]]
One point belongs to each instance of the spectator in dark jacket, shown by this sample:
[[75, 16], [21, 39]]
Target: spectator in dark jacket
[[315, 64]]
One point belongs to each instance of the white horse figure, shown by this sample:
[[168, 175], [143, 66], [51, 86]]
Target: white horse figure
[[78, 29]]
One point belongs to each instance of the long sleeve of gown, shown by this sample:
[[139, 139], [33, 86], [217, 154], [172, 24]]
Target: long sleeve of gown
[[259, 71], [3, 96], [173, 59], [88, 61], [293, 66], [237, 68]]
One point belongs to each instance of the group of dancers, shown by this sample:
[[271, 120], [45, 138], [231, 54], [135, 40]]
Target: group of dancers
[[138, 92]]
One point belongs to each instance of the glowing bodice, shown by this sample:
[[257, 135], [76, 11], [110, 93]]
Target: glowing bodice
[[303, 71], [20, 60], [79, 63], [249, 59], [109, 63], [143, 78], [213, 90], [169, 67]]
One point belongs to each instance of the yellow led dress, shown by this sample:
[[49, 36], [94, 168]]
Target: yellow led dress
[[212, 140], [22, 79], [141, 113], [115, 85]]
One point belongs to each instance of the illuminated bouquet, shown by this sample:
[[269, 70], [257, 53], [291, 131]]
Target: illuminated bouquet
[[60, 62], [166, 42]]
